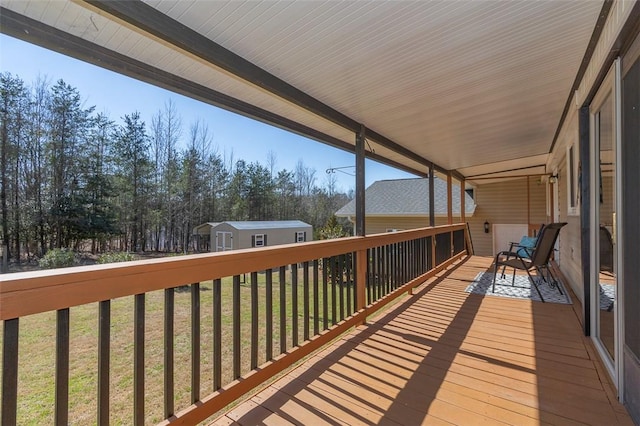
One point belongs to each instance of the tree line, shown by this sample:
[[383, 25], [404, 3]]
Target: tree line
[[74, 178]]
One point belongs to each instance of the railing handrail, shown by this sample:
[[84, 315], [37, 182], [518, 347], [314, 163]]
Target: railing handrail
[[27, 293]]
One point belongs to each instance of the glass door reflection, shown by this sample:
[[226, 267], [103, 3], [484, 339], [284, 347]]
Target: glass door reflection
[[606, 202]]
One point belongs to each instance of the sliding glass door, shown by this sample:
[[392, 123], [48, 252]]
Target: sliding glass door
[[604, 227]]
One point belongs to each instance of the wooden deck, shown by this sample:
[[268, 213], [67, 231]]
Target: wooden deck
[[447, 357]]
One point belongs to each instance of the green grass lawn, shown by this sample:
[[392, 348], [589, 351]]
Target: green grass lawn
[[37, 351]]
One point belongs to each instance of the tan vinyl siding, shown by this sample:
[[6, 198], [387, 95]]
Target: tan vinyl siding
[[377, 225], [506, 202]]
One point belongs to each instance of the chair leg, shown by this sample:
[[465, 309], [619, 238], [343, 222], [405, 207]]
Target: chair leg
[[513, 279], [533, 283], [495, 272]]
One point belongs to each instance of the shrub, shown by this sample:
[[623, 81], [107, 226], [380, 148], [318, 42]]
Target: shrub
[[116, 256], [57, 258]]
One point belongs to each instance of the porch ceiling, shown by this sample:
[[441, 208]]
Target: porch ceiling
[[472, 86]]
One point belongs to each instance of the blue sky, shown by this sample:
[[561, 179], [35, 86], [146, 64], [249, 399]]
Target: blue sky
[[247, 139]]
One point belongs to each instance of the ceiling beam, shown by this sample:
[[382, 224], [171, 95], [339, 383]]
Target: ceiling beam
[[154, 22], [35, 32]]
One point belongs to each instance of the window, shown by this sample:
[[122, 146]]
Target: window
[[258, 240], [301, 236], [394, 229], [573, 179]]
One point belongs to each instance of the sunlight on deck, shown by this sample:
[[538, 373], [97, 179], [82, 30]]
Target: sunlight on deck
[[445, 356]]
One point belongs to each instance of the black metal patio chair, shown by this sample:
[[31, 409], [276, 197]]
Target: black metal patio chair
[[539, 258]]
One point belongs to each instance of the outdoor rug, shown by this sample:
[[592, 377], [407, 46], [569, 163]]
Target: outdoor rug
[[520, 290], [607, 295]]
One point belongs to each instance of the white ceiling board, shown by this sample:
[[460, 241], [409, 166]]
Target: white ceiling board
[[460, 83]]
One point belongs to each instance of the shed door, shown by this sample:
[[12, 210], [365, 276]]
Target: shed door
[[224, 241]]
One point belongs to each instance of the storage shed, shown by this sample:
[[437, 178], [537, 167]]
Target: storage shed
[[202, 236], [246, 234]]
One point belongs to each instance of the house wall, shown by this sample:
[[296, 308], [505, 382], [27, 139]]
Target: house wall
[[506, 202], [378, 225]]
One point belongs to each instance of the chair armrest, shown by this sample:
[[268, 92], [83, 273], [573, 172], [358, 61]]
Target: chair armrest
[[509, 255]]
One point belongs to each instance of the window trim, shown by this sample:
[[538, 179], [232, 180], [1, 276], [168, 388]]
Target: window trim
[[573, 180], [259, 240]]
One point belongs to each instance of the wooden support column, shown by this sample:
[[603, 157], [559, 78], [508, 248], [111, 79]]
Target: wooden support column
[[585, 216], [361, 255], [432, 212], [360, 207], [528, 203], [449, 198], [463, 207], [432, 197], [450, 208]]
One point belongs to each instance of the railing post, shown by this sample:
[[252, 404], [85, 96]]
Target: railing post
[[361, 280]]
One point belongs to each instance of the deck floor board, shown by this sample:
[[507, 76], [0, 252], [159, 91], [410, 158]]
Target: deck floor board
[[443, 356]]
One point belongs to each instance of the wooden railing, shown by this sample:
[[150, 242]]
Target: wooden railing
[[300, 297]]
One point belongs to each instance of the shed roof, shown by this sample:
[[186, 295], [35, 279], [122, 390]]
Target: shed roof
[[267, 224], [407, 197]]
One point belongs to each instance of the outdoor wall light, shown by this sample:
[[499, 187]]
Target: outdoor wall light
[[553, 179], [486, 227]]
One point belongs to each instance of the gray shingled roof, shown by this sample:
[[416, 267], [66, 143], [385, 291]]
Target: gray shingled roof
[[407, 197], [268, 224]]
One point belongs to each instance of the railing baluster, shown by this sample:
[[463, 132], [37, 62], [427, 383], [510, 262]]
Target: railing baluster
[[169, 308], [236, 326], [325, 293], [195, 342], [104, 349], [305, 300], [283, 310], [371, 274], [382, 253], [217, 334], [334, 295], [341, 265], [407, 260], [254, 320], [62, 367], [376, 268], [269, 312], [138, 359], [349, 284], [10, 371], [294, 304], [316, 302], [405, 265]]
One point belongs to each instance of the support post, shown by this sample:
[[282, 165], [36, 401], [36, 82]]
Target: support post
[[449, 198], [360, 207], [432, 212], [432, 197], [463, 207], [585, 216]]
